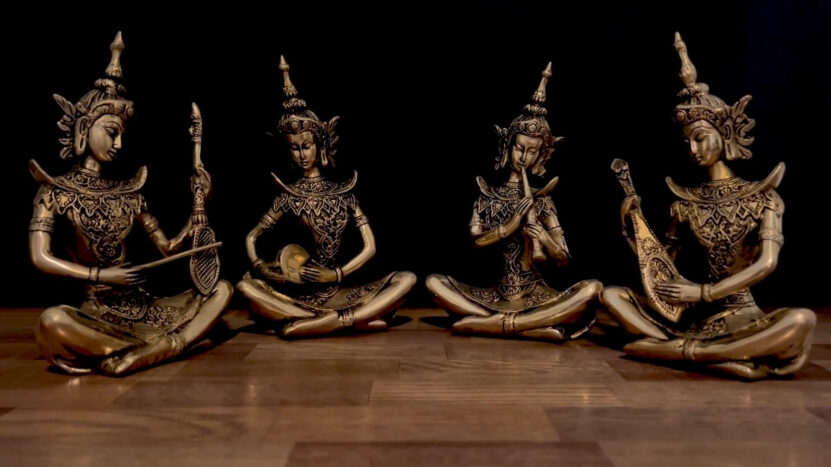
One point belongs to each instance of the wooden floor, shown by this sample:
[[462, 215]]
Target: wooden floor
[[415, 395]]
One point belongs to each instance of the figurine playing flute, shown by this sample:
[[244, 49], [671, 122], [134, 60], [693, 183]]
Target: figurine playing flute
[[524, 222]]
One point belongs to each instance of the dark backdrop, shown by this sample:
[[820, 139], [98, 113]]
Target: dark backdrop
[[418, 89]]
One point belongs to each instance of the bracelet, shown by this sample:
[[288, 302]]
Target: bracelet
[[500, 231], [339, 273], [705, 293], [93, 274]]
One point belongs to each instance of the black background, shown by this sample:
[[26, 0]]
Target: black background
[[418, 89]]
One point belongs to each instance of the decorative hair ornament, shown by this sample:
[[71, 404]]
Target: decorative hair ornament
[[698, 104], [298, 118], [531, 122], [103, 99]]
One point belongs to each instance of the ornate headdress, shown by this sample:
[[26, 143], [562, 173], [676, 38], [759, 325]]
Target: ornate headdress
[[531, 122], [297, 118], [699, 104], [104, 99]]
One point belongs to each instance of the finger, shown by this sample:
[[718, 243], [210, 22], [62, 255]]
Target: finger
[[309, 274], [136, 276], [308, 279]]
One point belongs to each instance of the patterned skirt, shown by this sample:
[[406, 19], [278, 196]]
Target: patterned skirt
[[133, 314], [323, 299]]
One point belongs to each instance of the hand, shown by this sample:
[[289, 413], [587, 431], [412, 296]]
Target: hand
[[679, 291], [201, 181], [121, 275], [536, 232], [270, 274], [629, 203], [317, 273], [524, 206]]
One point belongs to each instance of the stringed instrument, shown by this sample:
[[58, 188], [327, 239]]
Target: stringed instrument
[[655, 263]]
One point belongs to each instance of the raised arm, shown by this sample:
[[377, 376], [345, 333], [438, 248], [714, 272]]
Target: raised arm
[[482, 236], [166, 246], [555, 243]]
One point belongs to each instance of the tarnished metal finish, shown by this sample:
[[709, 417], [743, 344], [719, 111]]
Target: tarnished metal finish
[[303, 294], [121, 327], [739, 223], [524, 222]]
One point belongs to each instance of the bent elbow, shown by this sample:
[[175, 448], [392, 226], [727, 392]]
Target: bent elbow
[[369, 251], [41, 261], [768, 263]]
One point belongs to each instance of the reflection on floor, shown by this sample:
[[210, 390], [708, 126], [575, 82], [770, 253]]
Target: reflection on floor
[[415, 395]]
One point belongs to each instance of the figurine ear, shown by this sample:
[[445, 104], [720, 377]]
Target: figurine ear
[[729, 142], [82, 126]]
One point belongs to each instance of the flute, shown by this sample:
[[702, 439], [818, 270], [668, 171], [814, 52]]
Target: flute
[[538, 254]]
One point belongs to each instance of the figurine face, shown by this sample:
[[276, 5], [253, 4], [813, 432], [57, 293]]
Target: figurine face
[[706, 143], [104, 138], [525, 151], [303, 149]]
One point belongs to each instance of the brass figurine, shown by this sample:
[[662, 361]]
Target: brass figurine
[[739, 223], [121, 327], [524, 221], [301, 295]]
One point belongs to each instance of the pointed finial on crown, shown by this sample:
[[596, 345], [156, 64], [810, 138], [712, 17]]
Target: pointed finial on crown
[[535, 108], [539, 95], [114, 68], [288, 88], [688, 73]]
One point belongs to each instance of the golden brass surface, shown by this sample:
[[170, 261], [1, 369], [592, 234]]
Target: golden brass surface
[[524, 222], [303, 296], [121, 327], [739, 223]]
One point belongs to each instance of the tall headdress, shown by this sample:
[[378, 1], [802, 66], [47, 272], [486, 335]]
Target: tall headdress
[[699, 104], [298, 118], [531, 122], [106, 98]]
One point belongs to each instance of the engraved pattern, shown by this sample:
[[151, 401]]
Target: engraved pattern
[[722, 215], [134, 311], [101, 210], [496, 206], [323, 206]]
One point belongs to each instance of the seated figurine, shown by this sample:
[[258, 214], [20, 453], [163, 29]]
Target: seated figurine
[[524, 221], [304, 296], [739, 224], [120, 327]]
